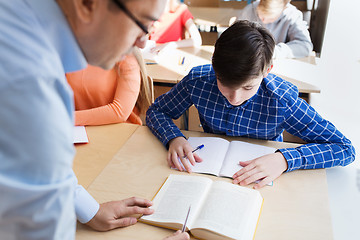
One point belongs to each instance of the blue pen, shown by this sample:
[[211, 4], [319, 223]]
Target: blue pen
[[197, 148], [182, 60]]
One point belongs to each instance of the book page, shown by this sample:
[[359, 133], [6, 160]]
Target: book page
[[212, 153], [230, 210], [172, 202], [80, 135], [241, 151]]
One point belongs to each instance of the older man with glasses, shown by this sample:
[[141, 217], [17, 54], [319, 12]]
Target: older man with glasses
[[40, 41]]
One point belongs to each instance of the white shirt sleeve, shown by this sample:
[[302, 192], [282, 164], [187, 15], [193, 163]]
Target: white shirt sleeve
[[85, 205]]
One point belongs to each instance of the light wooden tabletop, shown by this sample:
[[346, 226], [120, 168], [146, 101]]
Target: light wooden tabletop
[[296, 207], [104, 142]]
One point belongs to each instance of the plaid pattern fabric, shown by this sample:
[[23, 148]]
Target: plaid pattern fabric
[[275, 107]]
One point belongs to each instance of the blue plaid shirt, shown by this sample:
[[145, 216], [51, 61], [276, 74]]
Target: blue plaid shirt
[[275, 107]]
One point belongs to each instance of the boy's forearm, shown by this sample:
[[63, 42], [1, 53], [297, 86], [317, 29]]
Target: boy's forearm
[[162, 126], [315, 156]]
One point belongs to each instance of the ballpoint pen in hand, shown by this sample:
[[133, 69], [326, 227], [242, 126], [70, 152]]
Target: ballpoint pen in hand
[[187, 216], [197, 148]]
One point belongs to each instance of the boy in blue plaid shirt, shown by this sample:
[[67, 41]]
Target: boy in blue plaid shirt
[[237, 96]]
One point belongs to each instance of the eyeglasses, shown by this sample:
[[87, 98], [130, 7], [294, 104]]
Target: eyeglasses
[[130, 15]]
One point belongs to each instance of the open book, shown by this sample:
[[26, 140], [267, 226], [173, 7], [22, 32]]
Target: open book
[[219, 210], [221, 157]]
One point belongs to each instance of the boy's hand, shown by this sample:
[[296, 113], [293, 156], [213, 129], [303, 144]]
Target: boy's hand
[[180, 148], [266, 169]]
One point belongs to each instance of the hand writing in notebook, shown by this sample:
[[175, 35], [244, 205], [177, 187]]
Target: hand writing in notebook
[[180, 148], [264, 169]]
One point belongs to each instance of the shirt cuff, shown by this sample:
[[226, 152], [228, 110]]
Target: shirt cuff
[[293, 158], [85, 205]]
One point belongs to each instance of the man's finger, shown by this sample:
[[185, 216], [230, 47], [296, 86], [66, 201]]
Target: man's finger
[[123, 222], [135, 201], [127, 211]]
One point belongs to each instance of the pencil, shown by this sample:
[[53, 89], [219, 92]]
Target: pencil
[[187, 216]]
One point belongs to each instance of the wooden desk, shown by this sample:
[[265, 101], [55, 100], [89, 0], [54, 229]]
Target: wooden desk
[[211, 16], [285, 68], [296, 207], [104, 142]]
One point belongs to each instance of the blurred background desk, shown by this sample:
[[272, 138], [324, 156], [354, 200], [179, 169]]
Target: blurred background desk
[[211, 16], [211, 21], [296, 207]]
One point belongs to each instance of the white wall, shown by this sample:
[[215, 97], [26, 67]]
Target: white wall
[[339, 101], [338, 73]]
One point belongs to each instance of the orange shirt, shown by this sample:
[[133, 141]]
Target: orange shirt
[[104, 96]]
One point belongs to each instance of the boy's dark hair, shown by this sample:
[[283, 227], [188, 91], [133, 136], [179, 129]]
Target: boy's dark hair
[[243, 51]]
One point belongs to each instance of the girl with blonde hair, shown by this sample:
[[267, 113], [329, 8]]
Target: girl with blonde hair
[[112, 96]]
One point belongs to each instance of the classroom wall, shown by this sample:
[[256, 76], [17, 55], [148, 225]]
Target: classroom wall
[[337, 74]]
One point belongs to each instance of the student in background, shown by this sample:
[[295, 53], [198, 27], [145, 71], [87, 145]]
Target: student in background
[[285, 22], [169, 30], [111, 96], [238, 96]]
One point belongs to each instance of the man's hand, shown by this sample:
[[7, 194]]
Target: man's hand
[[117, 214], [178, 236], [180, 148], [266, 169]]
